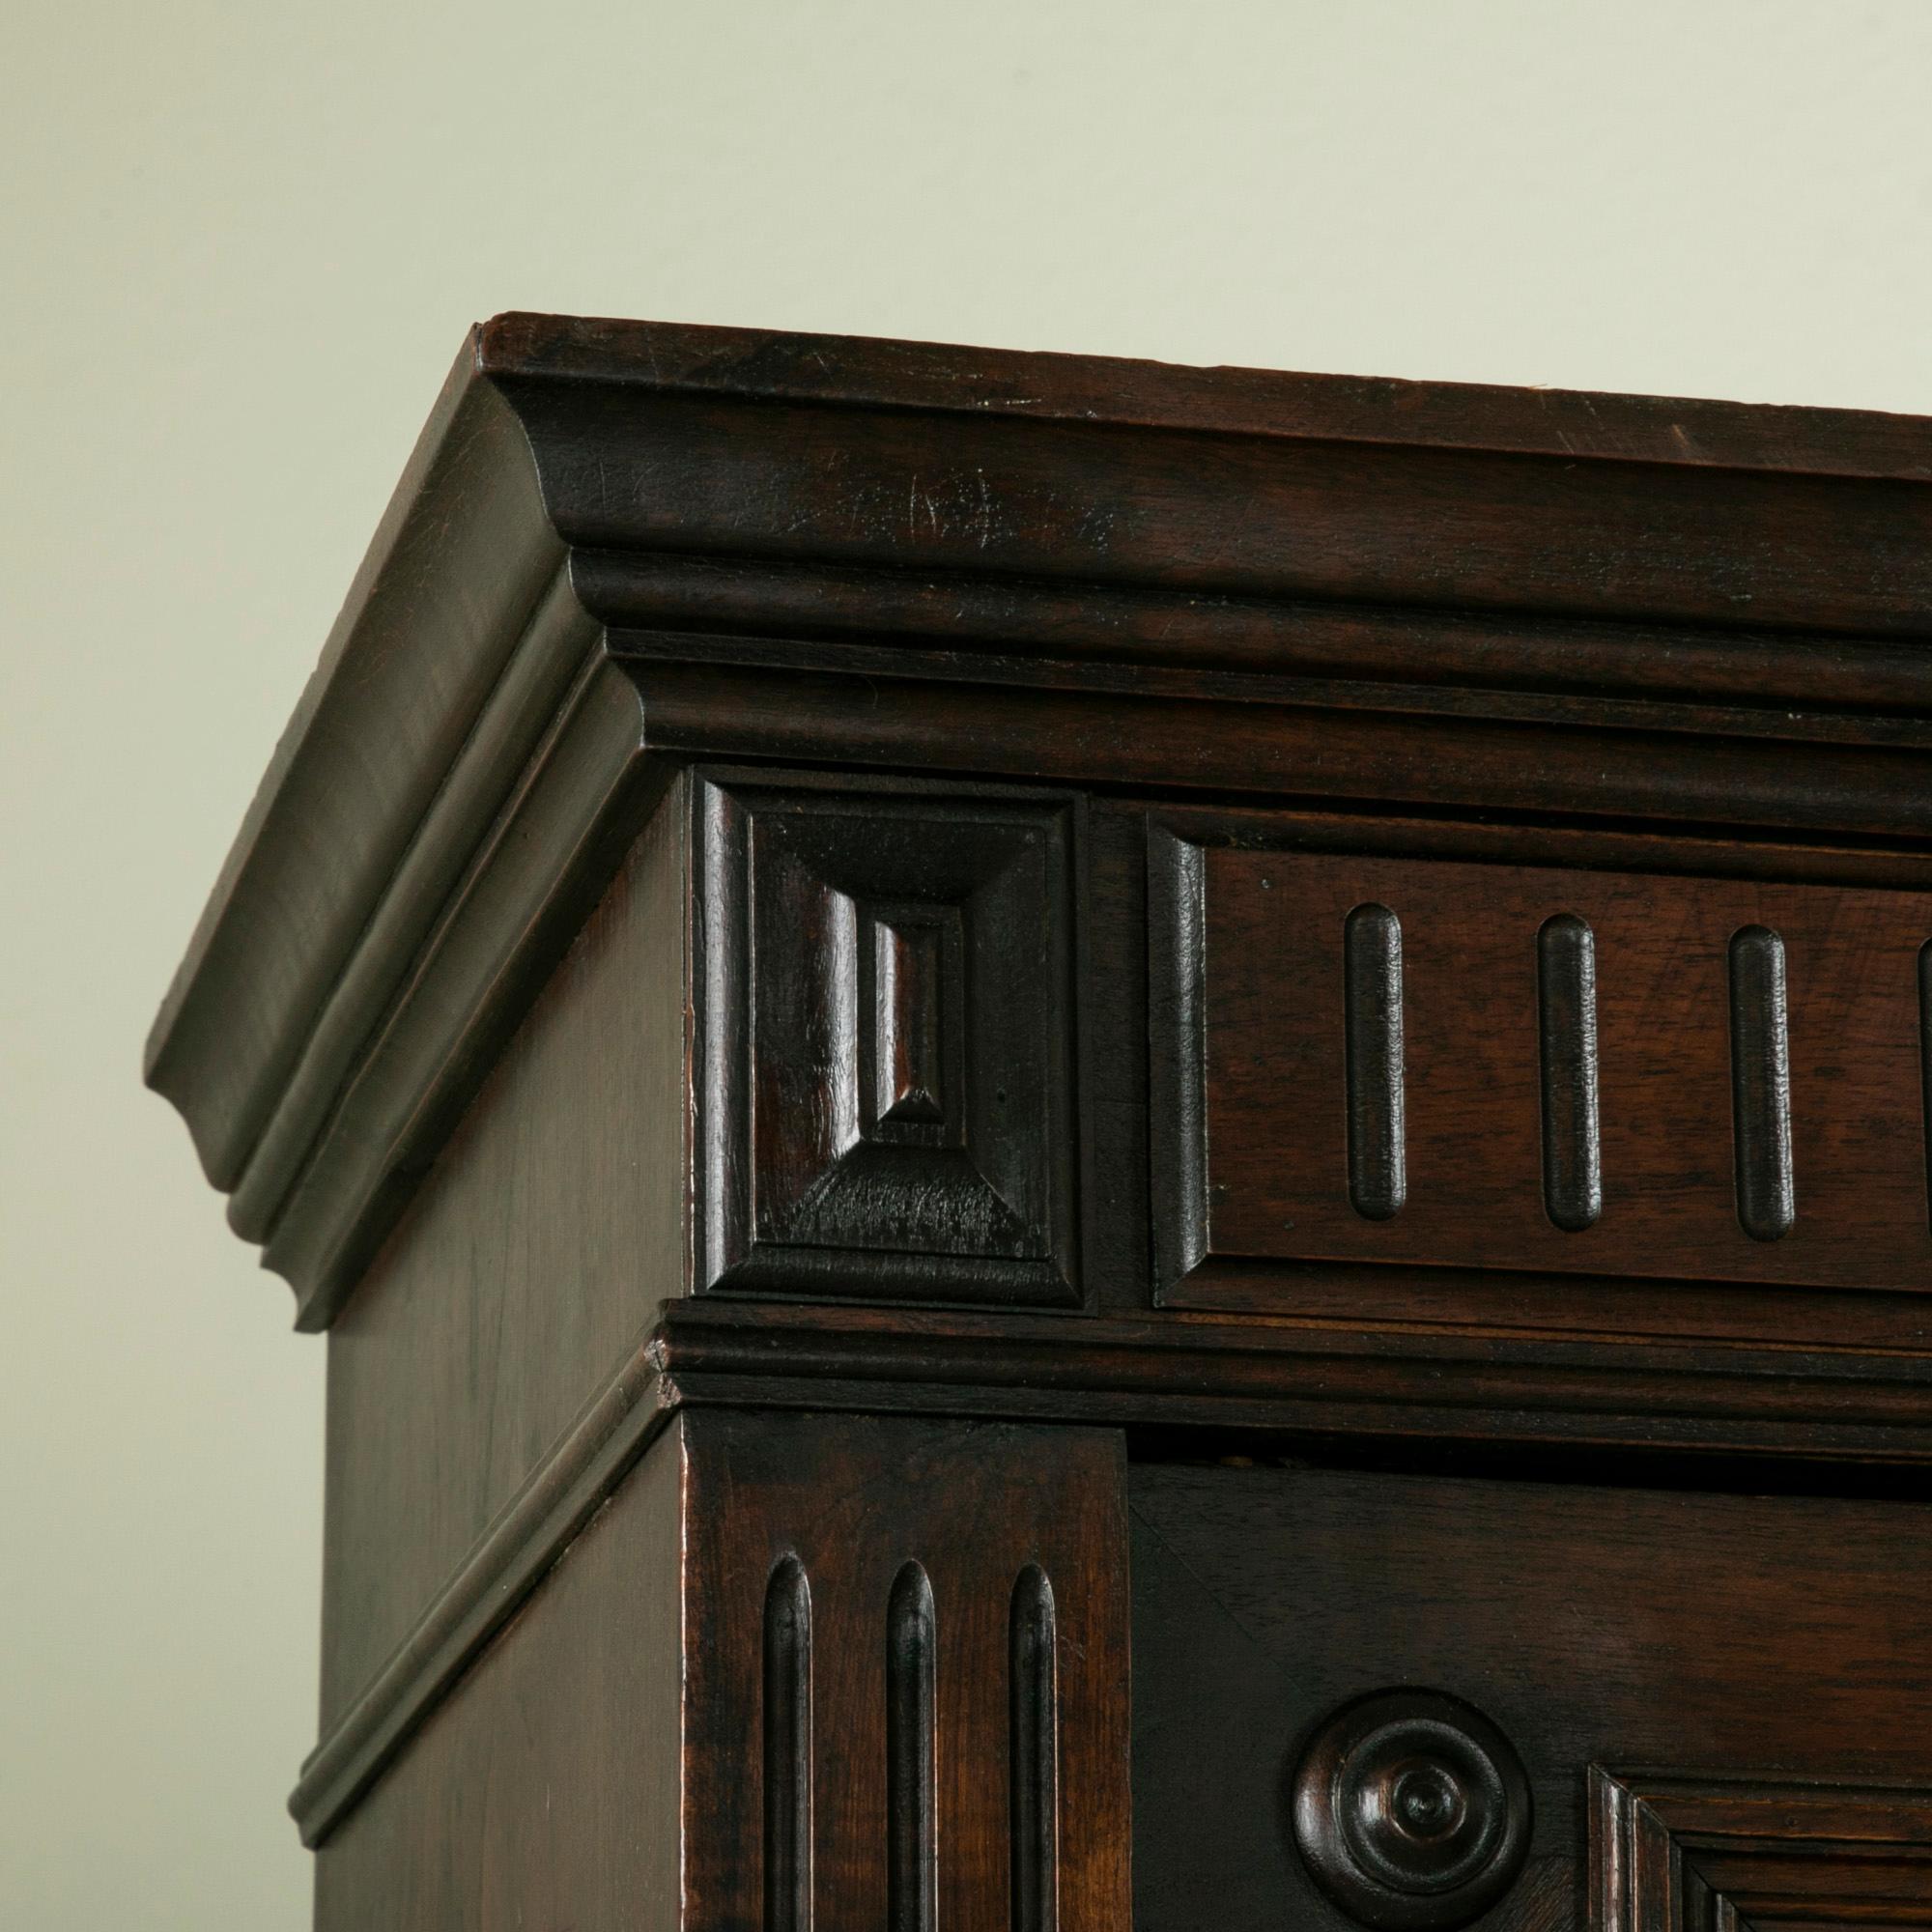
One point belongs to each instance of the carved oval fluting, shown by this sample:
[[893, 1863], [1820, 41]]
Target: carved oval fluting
[[1372, 986], [1034, 1739], [1761, 1084], [1411, 1811], [1566, 1000], [911, 1832], [788, 1754]]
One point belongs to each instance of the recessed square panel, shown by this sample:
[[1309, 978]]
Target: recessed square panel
[[886, 1027]]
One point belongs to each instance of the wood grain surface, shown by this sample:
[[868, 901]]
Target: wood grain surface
[[862, 953], [624, 545], [821, 1171], [894, 1582], [545, 1792], [1754, 1055], [526, 1268], [1770, 1637]]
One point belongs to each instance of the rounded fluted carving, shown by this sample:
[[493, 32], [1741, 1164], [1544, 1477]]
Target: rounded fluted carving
[[1411, 1811]]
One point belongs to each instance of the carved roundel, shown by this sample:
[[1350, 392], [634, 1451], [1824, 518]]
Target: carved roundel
[[1411, 1811]]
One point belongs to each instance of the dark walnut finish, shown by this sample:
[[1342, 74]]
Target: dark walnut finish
[[908, 1639], [1089, 1143], [1411, 1811], [885, 1042], [1664, 1069], [1670, 1854], [1762, 1640]]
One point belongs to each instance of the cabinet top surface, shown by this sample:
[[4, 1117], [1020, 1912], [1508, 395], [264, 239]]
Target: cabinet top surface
[[877, 372]]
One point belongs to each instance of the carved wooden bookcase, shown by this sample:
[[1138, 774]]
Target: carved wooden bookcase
[[1091, 1145]]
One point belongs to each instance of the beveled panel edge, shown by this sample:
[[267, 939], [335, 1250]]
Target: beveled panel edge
[[1647, 1826], [1755, 1073], [1422, 1297], [1499, 837], [732, 1254], [1186, 1273]]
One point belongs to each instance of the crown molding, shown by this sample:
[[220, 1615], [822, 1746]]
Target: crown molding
[[619, 546]]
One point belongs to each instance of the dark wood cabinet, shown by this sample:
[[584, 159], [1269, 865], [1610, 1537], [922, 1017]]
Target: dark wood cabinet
[[1089, 1145]]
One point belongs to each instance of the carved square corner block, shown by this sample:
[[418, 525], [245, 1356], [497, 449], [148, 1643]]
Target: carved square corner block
[[884, 985]]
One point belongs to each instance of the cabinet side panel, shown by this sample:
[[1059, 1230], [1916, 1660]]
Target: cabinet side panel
[[536, 1248], [544, 1791]]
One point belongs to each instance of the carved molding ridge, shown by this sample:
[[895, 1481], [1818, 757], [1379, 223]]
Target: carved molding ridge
[[717, 1352], [570, 1482], [1660, 1096]]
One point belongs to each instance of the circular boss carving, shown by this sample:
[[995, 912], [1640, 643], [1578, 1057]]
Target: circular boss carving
[[1411, 1811]]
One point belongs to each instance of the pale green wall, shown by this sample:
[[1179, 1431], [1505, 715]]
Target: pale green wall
[[239, 244]]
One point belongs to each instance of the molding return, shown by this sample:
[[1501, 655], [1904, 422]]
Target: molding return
[[554, 649], [528, 1535], [556, 844]]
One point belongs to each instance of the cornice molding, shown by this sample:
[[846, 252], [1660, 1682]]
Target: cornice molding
[[879, 373], [620, 547]]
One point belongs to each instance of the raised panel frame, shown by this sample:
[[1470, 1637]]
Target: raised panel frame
[[1685, 1852], [884, 1069], [1220, 1243]]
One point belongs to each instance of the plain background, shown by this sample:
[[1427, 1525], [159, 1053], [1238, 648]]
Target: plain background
[[240, 245]]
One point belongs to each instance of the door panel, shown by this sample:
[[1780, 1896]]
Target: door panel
[[1741, 1646]]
